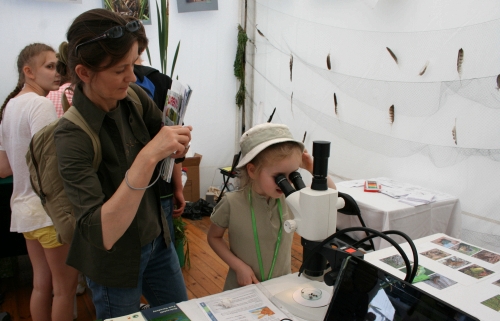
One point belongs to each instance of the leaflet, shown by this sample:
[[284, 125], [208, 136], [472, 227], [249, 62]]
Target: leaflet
[[173, 113], [242, 304]]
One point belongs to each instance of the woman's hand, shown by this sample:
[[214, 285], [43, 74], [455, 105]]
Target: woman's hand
[[169, 141], [245, 275], [179, 202]]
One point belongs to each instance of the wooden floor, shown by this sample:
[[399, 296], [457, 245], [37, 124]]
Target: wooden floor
[[205, 275]]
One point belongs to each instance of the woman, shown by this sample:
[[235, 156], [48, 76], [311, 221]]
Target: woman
[[121, 242], [24, 112]]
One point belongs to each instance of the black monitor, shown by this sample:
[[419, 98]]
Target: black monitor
[[364, 292]]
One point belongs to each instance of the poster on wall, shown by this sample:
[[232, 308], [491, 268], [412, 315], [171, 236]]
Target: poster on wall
[[139, 9], [196, 5], [62, 1]]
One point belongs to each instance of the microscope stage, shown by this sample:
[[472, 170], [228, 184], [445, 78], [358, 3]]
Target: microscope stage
[[308, 301]]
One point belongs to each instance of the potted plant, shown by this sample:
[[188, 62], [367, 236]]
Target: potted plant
[[181, 241]]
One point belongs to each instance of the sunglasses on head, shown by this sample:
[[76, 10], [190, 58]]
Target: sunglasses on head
[[113, 33]]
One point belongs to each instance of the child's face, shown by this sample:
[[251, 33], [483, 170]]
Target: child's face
[[263, 182], [44, 71]]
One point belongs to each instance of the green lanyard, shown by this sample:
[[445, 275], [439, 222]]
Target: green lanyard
[[256, 239]]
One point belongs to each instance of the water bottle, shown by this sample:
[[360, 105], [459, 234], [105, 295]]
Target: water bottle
[[184, 176]]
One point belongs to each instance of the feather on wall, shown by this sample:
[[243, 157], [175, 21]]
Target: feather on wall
[[291, 66], [454, 132], [328, 63], [422, 71], [260, 33], [335, 102], [391, 113], [392, 54], [272, 114], [460, 60]]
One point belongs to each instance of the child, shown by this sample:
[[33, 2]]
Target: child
[[24, 112], [258, 248]]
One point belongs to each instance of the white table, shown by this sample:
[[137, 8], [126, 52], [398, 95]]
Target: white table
[[382, 212], [467, 294]]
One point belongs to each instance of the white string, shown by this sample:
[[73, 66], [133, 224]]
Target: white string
[[141, 188]]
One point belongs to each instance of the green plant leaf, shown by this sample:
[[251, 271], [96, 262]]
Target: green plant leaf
[[160, 36], [149, 55], [175, 59], [142, 8], [239, 65], [107, 4], [179, 228]]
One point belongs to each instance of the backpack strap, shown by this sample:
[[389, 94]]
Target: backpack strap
[[75, 117], [64, 101], [135, 98]]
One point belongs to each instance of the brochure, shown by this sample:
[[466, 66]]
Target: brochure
[[246, 303], [137, 316], [173, 114], [166, 312]]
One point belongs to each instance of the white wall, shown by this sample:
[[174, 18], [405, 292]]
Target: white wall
[[208, 47]]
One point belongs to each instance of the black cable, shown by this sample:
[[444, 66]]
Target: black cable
[[410, 242], [352, 229]]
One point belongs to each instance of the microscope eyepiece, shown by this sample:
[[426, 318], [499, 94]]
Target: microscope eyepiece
[[321, 153], [284, 184], [297, 181]]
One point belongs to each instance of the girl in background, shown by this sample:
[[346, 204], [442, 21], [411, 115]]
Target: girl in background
[[62, 99], [65, 92], [24, 112], [258, 248]]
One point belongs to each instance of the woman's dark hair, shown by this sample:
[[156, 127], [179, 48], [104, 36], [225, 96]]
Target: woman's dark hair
[[102, 54], [25, 57]]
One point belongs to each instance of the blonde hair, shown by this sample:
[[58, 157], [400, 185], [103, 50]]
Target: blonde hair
[[269, 155]]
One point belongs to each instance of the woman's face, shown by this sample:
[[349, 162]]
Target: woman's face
[[44, 73], [263, 181], [109, 86]]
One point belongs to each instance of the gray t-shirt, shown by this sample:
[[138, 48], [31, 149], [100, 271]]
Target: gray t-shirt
[[233, 212]]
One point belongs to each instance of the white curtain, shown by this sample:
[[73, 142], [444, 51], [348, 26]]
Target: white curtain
[[333, 69]]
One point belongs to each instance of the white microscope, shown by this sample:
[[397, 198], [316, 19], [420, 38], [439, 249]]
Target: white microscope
[[315, 210]]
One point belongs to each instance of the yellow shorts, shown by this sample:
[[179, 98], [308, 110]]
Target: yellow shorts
[[47, 237]]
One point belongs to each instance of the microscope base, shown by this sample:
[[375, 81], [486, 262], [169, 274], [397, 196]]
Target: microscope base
[[286, 298]]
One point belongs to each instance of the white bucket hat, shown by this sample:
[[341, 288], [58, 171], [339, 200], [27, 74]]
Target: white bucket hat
[[259, 137]]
